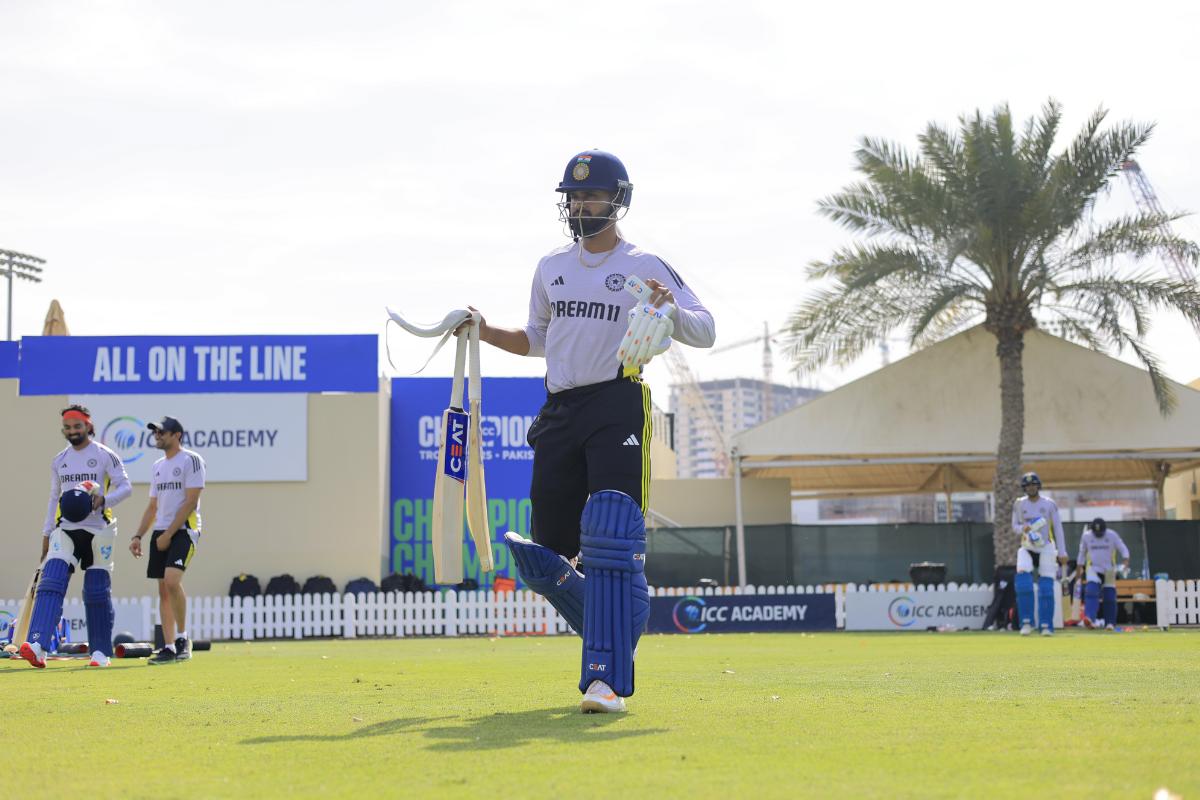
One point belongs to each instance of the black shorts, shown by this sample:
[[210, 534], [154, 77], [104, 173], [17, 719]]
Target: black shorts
[[81, 542], [177, 555], [584, 440]]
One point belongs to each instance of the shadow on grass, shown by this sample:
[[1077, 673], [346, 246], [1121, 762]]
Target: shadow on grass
[[388, 728], [503, 730]]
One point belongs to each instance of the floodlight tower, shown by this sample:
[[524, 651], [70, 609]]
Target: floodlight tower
[[19, 265]]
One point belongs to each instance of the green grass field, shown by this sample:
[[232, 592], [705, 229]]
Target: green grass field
[[836, 714]]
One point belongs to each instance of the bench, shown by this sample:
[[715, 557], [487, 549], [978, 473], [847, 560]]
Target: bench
[[1137, 591]]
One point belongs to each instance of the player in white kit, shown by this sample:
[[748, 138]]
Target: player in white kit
[[82, 540], [1043, 547], [174, 510], [591, 439], [1098, 548]]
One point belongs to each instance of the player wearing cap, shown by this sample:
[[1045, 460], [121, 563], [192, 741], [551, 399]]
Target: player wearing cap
[[86, 480], [591, 439], [174, 510]]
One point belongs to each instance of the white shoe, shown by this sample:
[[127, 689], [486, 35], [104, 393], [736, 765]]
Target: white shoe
[[1026, 629], [98, 660], [601, 699], [1109, 628], [1047, 631]]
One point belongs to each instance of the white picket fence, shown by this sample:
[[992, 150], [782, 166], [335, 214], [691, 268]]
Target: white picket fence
[[1178, 602], [519, 613]]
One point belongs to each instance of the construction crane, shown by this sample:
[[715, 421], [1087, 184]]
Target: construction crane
[[697, 407], [767, 363], [1147, 201]]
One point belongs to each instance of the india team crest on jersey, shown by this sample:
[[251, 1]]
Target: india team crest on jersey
[[615, 282], [581, 171]]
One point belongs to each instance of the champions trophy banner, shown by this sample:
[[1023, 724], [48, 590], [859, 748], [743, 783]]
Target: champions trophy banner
[[742, 613], [243, 438], [198, 364], [8, 360], [509, 407], [916, 610]]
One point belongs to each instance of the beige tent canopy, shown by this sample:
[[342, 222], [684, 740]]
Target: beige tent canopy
[[931, 423]]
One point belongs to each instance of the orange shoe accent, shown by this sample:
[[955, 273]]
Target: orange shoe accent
[[28, 654]]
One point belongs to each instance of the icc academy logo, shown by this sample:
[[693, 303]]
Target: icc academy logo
[[688, 615], [126, 435], [902, 612]]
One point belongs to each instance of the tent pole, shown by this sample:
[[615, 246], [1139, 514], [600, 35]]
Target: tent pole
[[737, 511]]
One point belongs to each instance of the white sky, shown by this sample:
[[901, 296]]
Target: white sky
[[292, 167]]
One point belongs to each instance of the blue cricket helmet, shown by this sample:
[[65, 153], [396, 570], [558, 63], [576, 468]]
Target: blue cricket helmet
[[598, 170], [75, 505], [1030, 479]]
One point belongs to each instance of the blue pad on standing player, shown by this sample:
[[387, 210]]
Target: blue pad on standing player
[[1091, 599], [48, 602], [97, 604], [1023, 584], [1046, 602], [551, 576], [1110, 605], [613, 542]]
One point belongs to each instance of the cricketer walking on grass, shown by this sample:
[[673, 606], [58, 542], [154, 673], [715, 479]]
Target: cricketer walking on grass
[[1043, 547], [591, 439], [1097, 549], [86, 480], [174, 511]]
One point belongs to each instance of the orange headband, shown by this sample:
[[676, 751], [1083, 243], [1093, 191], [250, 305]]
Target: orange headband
[[79, 415]]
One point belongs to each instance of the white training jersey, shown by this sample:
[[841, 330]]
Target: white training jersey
[[95, 463], [1097, 551], [172, 478], [578, 314], [1026, 511]]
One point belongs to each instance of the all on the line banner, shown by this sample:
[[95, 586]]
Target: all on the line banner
[[198, 364]]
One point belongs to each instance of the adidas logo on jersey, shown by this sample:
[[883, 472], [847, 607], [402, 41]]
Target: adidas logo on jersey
[[632, 441], [558, 281], [179, 562]]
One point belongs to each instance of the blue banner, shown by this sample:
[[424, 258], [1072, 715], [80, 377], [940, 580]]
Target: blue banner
[[198, 364], [8, 360], [742, 613], [509, 406]]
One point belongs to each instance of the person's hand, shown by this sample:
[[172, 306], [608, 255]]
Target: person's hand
[[1025, 529], [1063, 560], [163, 542], [135, 546], [659, 293], [97, 502]]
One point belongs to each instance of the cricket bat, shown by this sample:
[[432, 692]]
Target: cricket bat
[[477, 515], [21, 626], [447, 529]]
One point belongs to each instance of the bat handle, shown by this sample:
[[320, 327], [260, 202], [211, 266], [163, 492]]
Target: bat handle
[[475, 383]]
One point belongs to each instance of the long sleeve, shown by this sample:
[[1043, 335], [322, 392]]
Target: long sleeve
[[119, 487], [1060, 537], [52, 507], [1121, 546], [1017, 523]]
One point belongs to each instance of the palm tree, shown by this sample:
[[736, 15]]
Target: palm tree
[[985, 224]]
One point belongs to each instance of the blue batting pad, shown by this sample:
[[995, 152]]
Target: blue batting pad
[[613, 539], [551, 576], [1046, 602], [1091, 599], [97, 605], [1110, 605], [48, 602], [1023, 584]]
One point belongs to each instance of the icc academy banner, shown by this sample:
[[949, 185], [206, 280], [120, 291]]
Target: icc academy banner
[[509, 406], [244, 438], [742, 613], [916, 610]]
